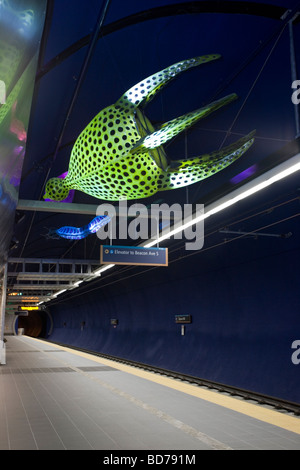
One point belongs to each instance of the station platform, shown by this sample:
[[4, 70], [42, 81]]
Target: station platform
[[57, 398]]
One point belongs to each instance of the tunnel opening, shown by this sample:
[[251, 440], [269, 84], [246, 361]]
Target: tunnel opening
[[35, 324]]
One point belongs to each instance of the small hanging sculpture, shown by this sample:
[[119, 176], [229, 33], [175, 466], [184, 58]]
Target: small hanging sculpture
[[78, 233], [120, 156]]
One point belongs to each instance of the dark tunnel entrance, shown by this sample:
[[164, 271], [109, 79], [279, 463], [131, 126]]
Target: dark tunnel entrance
[[35, 324]]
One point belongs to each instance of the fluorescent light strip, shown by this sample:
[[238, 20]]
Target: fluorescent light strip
[[60, 292], [282, 171], [102, 269]]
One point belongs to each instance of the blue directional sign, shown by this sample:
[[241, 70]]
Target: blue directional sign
[[133, 255]]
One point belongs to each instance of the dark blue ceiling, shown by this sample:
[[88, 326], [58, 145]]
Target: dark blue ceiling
[[137, 39]]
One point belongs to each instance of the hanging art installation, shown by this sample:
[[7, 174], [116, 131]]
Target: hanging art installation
[[78, 233], [120, 155]]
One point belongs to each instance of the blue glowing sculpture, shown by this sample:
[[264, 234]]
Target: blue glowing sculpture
[[75, 233]]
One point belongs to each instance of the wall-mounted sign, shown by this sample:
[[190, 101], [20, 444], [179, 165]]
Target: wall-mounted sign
[[183, 319], [133, 255]]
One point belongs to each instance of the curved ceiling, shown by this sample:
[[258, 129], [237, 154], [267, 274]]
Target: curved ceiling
[[92, 52]]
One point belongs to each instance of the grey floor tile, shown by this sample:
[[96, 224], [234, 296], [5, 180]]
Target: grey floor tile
[[53, 399]]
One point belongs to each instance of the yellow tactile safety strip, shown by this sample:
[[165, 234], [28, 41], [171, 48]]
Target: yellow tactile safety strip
[[266, 415]]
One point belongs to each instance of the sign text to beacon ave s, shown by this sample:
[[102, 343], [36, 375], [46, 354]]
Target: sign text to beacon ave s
[[133, 255]]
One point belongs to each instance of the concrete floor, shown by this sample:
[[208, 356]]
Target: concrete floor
[[58, 399]]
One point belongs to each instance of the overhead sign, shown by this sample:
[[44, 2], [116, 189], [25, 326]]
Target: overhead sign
[[133, 255]]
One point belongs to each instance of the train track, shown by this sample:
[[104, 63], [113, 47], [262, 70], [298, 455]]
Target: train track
[[261, 399]]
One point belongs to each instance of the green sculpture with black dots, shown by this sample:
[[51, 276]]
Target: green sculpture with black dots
[[120, 155]]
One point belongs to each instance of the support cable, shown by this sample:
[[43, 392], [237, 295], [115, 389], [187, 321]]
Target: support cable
[[252, 86], [92, 45]]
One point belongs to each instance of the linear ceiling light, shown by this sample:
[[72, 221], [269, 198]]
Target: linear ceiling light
[[59, 292], [267, 179], [103, 268]]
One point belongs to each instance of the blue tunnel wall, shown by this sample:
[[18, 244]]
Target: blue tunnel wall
[[244, 313]]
